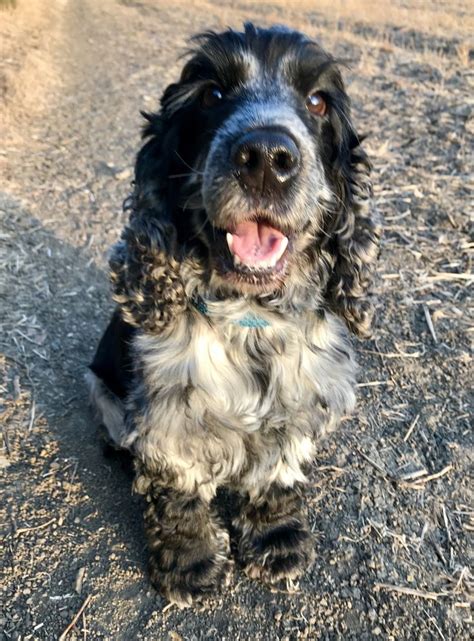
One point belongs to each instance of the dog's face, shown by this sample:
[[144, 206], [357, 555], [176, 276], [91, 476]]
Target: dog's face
[[252, 158], [264, 184]]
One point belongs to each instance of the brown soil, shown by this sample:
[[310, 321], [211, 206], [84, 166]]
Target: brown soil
[[389, 498]]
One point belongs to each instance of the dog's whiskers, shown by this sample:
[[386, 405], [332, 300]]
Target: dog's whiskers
[[190, 205], [337, 198], [193, 169], [185, 175], [200, 229]]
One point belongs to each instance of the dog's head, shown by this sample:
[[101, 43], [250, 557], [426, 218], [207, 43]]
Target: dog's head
[[255, 162]]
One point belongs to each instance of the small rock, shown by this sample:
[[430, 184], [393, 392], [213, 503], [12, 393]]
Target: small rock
[[79, 580], [125, 174], [16, 388]]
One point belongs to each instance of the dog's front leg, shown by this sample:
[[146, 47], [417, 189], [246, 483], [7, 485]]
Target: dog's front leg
[[188, 546], [275, 541]]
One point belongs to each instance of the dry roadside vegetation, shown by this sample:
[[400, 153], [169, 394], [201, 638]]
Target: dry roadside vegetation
[[390, 496]]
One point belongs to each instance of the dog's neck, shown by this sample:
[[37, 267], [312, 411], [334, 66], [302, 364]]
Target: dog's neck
[[248, 320], [246, 311]]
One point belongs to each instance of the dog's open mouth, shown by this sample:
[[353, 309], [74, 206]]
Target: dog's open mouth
[[255, 253], [256, 245]]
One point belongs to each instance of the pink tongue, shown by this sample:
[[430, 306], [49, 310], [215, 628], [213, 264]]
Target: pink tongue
[[255, 242]]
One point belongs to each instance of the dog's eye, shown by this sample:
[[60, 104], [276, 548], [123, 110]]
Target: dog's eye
[[316, 104], [211, 96]]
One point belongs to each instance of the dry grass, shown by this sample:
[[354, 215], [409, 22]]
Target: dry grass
[[29, 34], [426, 15], [454, 19], [389, 499]]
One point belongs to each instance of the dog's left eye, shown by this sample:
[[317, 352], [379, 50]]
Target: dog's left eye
[[316, 104], [211, 96]]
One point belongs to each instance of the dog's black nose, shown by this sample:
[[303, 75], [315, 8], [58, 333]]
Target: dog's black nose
[[266, 160]]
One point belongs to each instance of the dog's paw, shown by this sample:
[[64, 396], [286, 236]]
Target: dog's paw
[[277, 554], [187, 573]]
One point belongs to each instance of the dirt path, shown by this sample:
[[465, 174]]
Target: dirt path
[[387, 510]]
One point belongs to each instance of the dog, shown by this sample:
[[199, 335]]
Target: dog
[[246, 263]]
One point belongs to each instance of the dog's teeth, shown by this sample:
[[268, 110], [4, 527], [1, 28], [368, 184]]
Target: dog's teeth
[[262, 266], [283, 246], [271, 262], [230, 239]]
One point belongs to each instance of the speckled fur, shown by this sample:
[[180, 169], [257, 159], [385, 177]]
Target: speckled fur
[[217, 404], [145, 276], [206, 402]]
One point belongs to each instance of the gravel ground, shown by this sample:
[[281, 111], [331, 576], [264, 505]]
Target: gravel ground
[[390, 500]]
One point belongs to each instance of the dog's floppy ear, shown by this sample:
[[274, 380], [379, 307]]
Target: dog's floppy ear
[[353, 233], [144, 267], [159, 161], [145, 275], [152, 167]]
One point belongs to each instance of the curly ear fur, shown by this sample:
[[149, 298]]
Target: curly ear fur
[[354, 238], [145, 275], [144, 270]]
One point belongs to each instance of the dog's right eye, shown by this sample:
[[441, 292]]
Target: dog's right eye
[[211, 96], [316, 104]]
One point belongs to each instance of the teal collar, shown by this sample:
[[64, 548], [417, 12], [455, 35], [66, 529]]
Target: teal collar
[[249, 320]]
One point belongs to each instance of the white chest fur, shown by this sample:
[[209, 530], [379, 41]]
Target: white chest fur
[[217, 393]]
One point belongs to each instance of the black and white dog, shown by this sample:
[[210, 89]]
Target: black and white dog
[[248, 254]]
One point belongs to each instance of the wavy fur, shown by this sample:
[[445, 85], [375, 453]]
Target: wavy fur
[[205, 401]]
